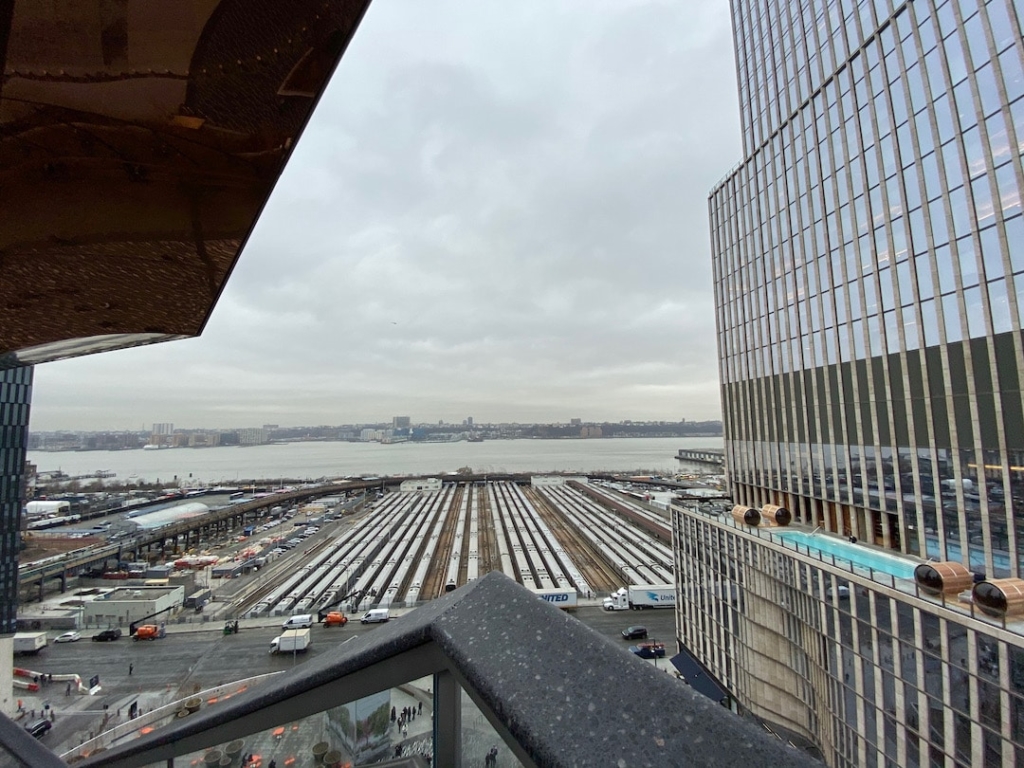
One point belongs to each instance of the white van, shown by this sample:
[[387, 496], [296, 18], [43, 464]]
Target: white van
[[300, 621], [375, 616]]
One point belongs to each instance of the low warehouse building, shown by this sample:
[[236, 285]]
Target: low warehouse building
[[131, 604]]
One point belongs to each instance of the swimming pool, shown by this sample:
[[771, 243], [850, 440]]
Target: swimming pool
[[859, 556]]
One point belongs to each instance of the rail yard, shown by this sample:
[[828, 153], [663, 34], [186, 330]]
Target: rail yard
[[413, 546]]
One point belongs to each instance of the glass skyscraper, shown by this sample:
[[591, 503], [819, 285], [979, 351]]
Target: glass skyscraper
[[869, 262], [15, 401], [869, 277]]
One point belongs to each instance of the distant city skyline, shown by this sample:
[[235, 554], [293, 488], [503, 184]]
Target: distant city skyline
[[168, 428]]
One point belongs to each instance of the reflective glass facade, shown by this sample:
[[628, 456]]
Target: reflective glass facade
[[15, 398], [869, 272], [869, 277]]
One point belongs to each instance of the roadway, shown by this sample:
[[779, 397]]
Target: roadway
[[197, 657]]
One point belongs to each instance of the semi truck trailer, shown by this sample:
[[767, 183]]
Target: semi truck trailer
[[637, 597], [560, 598]]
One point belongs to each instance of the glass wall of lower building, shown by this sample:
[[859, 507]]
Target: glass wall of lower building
[[868, 670]]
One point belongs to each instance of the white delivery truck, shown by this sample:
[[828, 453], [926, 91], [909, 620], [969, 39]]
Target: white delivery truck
[[29, 642], [560, 598], [291, 641], [640, 596]]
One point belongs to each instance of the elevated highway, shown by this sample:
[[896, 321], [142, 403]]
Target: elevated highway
[[228, 518]]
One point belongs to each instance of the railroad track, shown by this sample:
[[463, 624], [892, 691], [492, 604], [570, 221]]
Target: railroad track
[[433, 584], [595, 569], [463, 576], [489, 560]]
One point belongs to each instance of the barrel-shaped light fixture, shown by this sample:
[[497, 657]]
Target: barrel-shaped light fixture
[[746, 515], [946, 578], [1000, 597], [776, 515]]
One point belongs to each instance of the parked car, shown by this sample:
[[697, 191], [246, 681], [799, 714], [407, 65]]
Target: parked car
[[108, 635], [68, 637], [634, 633], [298, 621], [649, 650], [39, 728]]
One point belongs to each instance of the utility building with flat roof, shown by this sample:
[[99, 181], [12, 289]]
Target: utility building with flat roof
[[122, 607]]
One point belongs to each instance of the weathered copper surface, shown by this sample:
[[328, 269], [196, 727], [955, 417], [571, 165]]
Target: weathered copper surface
[[139, 140]]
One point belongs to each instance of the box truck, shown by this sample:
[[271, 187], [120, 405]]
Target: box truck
[[29, 642], [291, 641]]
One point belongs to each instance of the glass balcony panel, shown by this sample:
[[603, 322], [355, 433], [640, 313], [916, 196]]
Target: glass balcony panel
[[393, 723], [481, 744]]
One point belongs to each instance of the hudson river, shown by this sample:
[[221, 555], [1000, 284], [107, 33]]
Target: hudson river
[[302, 461]]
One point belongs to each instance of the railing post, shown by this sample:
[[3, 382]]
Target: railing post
[[447, 720]]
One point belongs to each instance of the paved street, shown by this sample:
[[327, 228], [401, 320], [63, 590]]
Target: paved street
[[199, 657]]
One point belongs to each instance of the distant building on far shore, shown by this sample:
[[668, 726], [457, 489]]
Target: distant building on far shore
[[252, 436]]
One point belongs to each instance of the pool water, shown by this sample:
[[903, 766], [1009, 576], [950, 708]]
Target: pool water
[[856, 554]]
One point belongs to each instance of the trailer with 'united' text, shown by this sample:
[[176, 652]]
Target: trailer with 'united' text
[[560, 598]]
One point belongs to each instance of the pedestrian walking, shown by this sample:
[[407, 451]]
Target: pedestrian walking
[[405, 731], [393, 718], [67, 691], [131, 668], [420, 708], [273, 764]]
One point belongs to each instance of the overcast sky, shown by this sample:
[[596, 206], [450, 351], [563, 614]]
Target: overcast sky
[[498, 210]]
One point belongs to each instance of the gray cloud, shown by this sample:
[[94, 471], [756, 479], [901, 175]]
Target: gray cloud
[[498, 210]]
